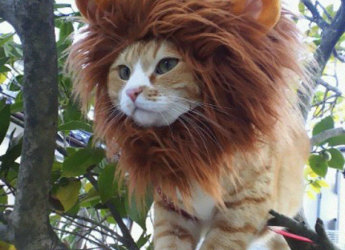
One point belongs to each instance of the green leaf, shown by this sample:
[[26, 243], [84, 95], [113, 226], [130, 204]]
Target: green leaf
[[91, 198], [337, 161], [17, 107], [12, 172], [322, 183], [143, 239], [16, 83], [330, 11], [326, 155], [5, 115], [107, 183], [3, 198], [301, 7], [68, 194], [6, 246], [324, 124], [77, 163], [75, 125], [14, 148], [71, 113], [3, 77], [56, 166], [318, 164], [4, 38], [337, 140], [121, 205], [139, 214], [316, 187], [3, 68], [66, 28]]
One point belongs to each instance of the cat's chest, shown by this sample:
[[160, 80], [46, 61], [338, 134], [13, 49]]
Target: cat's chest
[[203, 204]]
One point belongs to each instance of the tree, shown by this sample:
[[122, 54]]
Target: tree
[[75, 200]]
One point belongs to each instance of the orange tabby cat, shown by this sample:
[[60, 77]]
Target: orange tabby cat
[[200, 98]]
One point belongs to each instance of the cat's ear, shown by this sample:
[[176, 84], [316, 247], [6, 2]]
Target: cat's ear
[[89, 8], [265, 12]]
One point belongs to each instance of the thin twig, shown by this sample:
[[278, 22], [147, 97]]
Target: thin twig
[[128, 240], [96, 242], [315, 13]]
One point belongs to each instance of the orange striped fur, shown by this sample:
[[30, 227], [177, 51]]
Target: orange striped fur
[[219, 133]]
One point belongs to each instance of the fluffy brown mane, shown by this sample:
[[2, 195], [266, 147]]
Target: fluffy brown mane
[[240, 69]]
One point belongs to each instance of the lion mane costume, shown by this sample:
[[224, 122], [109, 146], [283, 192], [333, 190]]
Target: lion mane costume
[[244, 68]]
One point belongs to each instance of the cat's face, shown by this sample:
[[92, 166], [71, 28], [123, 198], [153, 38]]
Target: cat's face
[[151, 83]]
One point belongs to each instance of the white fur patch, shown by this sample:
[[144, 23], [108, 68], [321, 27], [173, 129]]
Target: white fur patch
[[203, 204]]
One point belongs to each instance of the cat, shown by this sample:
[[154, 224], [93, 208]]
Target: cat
[[199, 98]]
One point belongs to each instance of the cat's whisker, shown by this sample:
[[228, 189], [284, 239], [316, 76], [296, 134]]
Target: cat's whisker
[[220, 109], [110, 120], [201, 136], [166, 121], [199, 128], [193, 111], [204, 130], [218, 126]]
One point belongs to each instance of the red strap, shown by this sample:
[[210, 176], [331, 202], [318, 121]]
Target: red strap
[[291, 235]]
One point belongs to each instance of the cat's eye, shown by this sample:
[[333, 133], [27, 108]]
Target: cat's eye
[[124, 72], [165, 65]]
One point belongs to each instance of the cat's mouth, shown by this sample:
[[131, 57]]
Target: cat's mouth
[[148, 115], [142, 110]]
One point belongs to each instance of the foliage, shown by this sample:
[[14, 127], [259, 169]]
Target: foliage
[[85, 193]]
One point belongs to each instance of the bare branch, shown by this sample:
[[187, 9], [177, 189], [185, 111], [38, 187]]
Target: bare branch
[[329, 87], [325, 135], [127, 238], [94, 240], [330, 37], [315, 13], [69, 217], [339, 57], [317, 3], [320, 239]]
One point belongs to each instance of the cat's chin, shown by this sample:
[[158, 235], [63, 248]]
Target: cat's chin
[[145, 118]]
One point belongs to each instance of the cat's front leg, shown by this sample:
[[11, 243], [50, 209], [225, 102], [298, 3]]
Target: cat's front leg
[[173, 231], [243, 220], [236, 228]]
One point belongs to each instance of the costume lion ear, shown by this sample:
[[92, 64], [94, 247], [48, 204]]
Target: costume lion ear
[[266, 12], [89, 8]]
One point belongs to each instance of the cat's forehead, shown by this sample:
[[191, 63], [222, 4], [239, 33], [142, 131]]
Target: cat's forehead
[[148, 54]]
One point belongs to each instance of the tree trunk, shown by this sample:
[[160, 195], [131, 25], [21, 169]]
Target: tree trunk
[[34, 23]]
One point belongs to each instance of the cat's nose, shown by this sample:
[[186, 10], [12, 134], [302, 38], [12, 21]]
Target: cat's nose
[[134, 92]]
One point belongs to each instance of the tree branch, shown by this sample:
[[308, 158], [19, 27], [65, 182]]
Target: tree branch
[[127, 238], [327, 134], [315, 13], [339, 57], [320, 239], [112, 233], [330, 36], [329, 87]]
